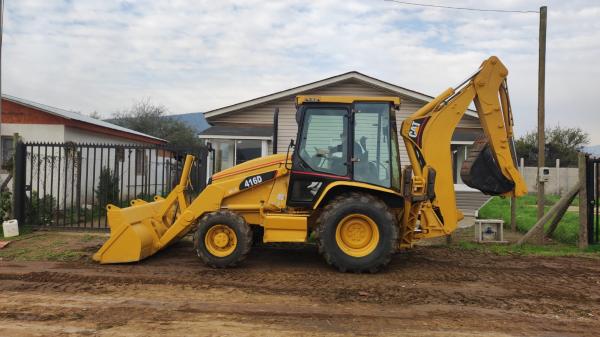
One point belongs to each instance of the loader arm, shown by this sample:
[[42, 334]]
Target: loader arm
[[427, 135]]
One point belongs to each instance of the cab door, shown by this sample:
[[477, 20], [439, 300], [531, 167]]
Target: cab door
[[322, 153], [375, 151]]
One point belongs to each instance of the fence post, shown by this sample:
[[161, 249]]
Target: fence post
[[583, 202], [19, 182], [522, 166], [558, 177]]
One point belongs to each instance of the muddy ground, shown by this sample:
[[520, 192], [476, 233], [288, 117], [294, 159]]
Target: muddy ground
[[289, 291]]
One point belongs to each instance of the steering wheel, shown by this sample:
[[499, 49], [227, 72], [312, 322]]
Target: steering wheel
[[322, 153]]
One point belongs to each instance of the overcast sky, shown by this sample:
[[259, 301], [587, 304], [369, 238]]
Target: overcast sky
[[91, 55]]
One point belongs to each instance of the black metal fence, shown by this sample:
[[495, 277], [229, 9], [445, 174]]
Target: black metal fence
[[67, 185], [593, 196]]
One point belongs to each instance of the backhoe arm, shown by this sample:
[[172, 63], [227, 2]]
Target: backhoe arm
[[491, 167]]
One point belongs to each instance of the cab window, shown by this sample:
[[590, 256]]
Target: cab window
[[324, 145], [372, 144]]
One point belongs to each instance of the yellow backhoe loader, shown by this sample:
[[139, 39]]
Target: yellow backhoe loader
[[342, 183]]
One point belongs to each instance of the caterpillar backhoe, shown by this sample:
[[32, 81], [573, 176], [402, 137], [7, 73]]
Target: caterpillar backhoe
[[342, 185]]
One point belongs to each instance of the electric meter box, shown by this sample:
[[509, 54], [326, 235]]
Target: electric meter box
[[544, 174]]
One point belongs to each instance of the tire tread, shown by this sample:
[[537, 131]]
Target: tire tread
[[363, 198]]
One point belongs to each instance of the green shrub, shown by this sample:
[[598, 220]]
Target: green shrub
[[40, 210], [5, 205], [107, 191]]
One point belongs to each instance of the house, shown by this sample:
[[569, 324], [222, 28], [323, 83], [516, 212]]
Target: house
[[63, 156], [36, 122], [245, 130]]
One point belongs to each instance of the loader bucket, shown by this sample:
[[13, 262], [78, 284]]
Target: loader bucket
[[139, 231]]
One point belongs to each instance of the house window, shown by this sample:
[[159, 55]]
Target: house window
[[231, 152], [224, 154], [247, 149], [140, 162], [7, 151]]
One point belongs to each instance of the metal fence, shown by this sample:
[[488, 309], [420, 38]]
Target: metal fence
[[67, 185], [593, 195]]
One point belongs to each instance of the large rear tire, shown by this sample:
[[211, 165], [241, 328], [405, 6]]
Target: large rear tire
[[223, 239], [357, 232]]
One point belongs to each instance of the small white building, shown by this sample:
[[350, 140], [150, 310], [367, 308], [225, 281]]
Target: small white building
[[36, 122], [77, 167]]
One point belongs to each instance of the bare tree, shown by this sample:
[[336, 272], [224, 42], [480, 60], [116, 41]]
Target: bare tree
[[147, 117]]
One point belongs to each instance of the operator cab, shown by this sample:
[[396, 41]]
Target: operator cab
[[343, 139]]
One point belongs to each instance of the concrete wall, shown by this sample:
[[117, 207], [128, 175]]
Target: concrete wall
[[560, 182], [36, 132]]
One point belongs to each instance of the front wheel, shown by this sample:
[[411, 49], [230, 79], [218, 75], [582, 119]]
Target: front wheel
[[222, 239], [357, 232]]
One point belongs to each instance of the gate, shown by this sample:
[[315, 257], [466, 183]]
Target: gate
[[593, 195], [67, 185]]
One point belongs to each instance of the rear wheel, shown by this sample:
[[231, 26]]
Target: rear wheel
[[223, 239], [357, 232]]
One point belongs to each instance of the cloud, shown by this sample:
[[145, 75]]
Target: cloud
[[198, 55]]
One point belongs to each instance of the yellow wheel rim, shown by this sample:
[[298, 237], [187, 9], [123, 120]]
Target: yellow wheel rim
[[220, 240], [357, 235]]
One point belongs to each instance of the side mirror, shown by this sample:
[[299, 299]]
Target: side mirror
[[292, 145]]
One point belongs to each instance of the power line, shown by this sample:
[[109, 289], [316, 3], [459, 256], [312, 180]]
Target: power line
[[461, 8]]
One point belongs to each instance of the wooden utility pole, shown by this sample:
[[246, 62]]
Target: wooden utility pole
[[539, 236]]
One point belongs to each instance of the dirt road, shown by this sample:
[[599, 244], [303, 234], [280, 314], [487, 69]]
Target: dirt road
[[432, 291]]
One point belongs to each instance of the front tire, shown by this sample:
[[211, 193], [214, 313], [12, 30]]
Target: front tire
[[222, 239], [357, 232]]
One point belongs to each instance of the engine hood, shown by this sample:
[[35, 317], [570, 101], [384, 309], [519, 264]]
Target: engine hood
[[275, 160]]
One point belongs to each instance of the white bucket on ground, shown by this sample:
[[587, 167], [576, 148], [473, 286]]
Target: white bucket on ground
[[10, 228]]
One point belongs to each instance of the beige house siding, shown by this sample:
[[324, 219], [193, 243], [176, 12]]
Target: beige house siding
[[469, 122], [263, 114]]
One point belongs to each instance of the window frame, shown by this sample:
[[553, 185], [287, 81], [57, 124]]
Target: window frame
[[390, 132], [235, 149], [346, 127], [264, 149]]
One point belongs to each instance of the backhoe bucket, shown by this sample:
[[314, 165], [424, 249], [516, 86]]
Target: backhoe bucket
[[139, 231], [480, 171]]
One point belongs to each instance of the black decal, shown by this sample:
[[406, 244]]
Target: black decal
[[416, 129], [256, 180]]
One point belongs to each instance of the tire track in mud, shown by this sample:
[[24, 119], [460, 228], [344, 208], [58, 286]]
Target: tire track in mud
[[426, 276], [106, 312]]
